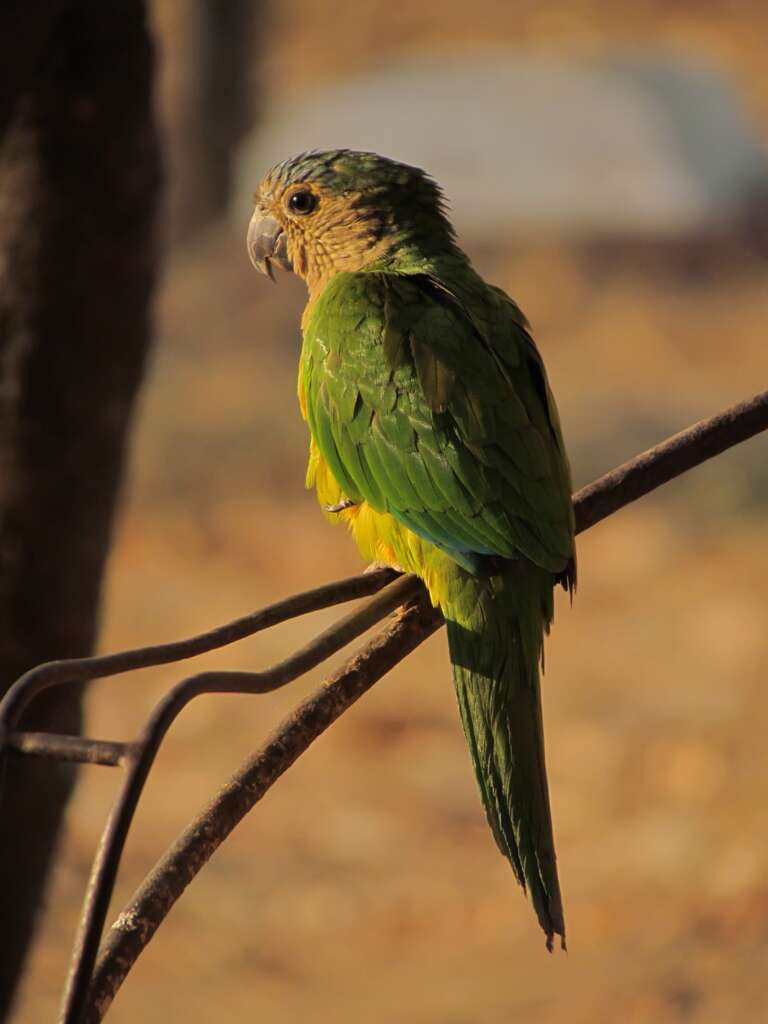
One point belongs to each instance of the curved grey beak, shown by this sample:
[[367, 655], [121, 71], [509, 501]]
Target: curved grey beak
[[266, 242]]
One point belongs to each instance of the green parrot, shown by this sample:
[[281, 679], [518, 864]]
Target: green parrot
[[435, 437]]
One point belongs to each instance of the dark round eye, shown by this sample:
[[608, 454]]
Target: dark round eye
[[302, 202]]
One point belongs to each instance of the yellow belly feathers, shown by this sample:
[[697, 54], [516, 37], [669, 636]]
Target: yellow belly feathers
[[378, 535]]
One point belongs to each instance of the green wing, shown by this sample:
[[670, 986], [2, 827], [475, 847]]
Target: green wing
[[440, 415]]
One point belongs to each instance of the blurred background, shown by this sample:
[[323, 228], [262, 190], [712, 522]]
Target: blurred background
[[606, 163]]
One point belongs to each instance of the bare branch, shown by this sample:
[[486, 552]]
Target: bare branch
[[669, 459], [78, 749], [81, 670], [144, 751], [140, 919]]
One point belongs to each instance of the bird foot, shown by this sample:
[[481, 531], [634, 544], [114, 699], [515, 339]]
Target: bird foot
[[375, 566], [399, 612], [340, 506]]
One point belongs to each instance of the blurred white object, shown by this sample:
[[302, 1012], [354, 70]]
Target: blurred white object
[[649, 144]]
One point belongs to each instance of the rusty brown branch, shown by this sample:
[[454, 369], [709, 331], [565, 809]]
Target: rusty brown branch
[[142, 755], [671, 458], [81, 670], [140, 919], [78, 749]]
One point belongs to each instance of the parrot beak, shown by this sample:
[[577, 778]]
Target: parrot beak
[[266, 242]]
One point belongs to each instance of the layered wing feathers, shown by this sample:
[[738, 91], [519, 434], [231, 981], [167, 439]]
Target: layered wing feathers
[[440, 415]]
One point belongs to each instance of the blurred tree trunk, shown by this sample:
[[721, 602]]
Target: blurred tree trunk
[[23, 35], [209, 94], [79, 179]]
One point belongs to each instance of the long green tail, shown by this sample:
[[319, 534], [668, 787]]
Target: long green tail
[[495, 635]]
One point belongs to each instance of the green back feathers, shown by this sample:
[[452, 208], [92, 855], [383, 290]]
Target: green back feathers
[[425, 419]]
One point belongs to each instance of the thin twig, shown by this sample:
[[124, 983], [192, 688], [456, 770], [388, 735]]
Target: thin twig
[[140, 919], [107, 860], [81, 670], [79, 749]]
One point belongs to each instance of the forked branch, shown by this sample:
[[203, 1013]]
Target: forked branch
[[142, 916], [90, 990]]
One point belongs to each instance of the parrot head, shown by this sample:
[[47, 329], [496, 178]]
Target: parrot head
[[321, 213]]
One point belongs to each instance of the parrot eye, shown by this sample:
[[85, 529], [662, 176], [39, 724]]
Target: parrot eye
[[302, 202]]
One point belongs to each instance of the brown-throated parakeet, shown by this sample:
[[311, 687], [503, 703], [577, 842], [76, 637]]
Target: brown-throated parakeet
[[435, 438]]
